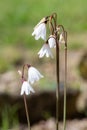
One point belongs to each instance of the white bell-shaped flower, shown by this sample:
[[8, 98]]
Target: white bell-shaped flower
[[26, 88], [61, 39], [52, 41], [33, 75], [40, 31], [45, 50]]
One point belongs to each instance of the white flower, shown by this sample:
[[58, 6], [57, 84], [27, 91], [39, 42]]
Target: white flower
[[26, 88], [52, 41], [61, 39], [40, 30], [45, 50], [33, 75]]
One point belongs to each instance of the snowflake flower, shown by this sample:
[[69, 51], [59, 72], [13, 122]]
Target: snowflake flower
[[40, 30], [33, 75], [26, 88], [61, 39], [52, 41], [45, 50]]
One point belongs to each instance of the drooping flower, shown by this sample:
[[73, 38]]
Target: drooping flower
[[33, 75], [61, 39], [52, 41], [45, 50], [26, 88], [40, 30]]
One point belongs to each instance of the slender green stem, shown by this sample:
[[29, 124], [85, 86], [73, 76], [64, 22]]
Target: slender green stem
[[57, 70], [65, 82], [57, 88], [51, 28], [61, 26], [26, 109], [55, 19]]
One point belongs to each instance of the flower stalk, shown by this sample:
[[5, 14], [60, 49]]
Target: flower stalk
[[65, 82], [25, 102], [57, 70], [57, 88], [26, 109]]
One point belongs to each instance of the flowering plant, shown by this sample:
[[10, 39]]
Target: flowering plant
[[33, 76], [57, 36]]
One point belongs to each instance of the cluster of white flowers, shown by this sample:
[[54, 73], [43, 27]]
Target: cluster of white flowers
[[33, 73], [40, 32], [33, 76]]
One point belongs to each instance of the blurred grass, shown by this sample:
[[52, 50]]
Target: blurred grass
[[18, 17], [7, 122], [10, 57]]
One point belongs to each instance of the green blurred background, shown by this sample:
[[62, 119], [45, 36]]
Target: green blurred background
[[18, 18]]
